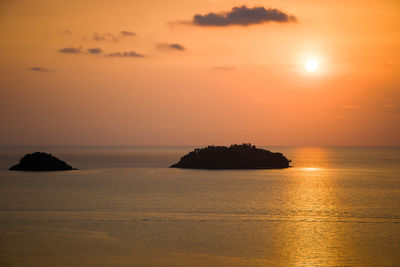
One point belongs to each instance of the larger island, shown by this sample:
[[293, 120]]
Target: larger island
[[244, 156], [40, 161]]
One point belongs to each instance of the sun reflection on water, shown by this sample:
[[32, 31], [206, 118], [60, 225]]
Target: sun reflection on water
[[312, 199], [311, 169]]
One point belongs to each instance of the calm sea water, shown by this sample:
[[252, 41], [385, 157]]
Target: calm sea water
[[338, 206]]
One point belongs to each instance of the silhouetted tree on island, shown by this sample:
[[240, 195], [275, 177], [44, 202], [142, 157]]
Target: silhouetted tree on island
[[244, 156], [40, 161]]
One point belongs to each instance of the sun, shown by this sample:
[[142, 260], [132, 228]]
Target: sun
[[311, 65]]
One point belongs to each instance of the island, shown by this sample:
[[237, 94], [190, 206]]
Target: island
[[244, 156], [40, 161]]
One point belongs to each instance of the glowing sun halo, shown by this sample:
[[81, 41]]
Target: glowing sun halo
[[311, 65]]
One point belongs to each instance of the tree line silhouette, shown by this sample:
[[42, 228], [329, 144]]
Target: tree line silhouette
[[244, 156]]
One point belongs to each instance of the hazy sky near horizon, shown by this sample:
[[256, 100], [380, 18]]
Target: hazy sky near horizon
[[151, 73]]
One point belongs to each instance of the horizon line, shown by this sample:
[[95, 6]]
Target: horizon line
[[186, 145]]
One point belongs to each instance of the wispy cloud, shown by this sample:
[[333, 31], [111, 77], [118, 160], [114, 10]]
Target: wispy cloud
[[71, 50], [104, 37], [243, 16], [66, 32], [124, 54], [349, 107], [95, 50], [390, 106], [127, 33], [40, 69], [224, 68], [173, 46], [389, 64]]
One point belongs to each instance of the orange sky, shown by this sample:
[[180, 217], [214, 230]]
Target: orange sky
[[231, 84]]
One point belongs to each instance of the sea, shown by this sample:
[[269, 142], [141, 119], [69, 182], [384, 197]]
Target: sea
[[124, 206]]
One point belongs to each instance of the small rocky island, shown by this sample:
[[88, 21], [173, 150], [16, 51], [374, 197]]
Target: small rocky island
[[40, 161], [243, 156]]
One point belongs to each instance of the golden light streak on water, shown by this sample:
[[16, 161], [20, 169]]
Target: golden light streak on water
[[312, 200]]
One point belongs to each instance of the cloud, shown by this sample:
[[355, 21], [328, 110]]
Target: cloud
[[104, 37], [390, 64], [71, 50], [224, 68], [243, 16], [40, 69], [349, 107], [124, 54], [127, 33], [95, 50], [390, 106], [66, 32], [174, 46]]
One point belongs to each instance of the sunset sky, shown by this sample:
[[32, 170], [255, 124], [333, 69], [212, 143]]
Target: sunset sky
[[184, 72]]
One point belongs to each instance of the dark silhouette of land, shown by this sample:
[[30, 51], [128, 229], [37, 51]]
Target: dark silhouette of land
[[243, 156], [40, 161]]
